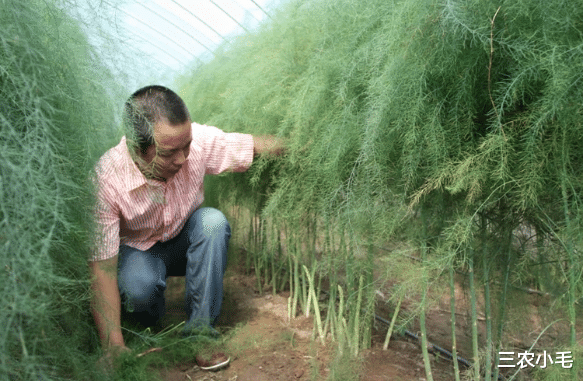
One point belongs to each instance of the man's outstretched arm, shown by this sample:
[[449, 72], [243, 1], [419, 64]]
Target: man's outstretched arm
[[106, 304]]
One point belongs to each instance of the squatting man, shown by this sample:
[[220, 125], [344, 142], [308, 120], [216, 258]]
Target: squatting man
[[149, 221]]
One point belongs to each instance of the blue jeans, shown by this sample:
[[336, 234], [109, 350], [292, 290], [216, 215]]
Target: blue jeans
[[199, 253]]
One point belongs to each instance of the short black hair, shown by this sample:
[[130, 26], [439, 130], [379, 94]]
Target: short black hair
[[148, 106]]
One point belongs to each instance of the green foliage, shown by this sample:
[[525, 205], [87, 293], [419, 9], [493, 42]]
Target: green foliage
[[389, 99], [56, 118], [468, 109]]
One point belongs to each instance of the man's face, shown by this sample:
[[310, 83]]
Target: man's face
[[165, 158]]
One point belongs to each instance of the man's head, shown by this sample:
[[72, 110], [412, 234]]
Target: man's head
[[159, 133]]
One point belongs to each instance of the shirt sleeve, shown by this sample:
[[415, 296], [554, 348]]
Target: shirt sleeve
[[223, 151], [107, 227]]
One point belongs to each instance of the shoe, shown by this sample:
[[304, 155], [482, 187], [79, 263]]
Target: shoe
[[217, 361]]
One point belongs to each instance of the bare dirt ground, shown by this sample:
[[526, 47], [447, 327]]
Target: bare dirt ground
[[265, 345]]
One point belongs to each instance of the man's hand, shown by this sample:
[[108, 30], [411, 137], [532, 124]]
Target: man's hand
[[107, 362], [268, 145]]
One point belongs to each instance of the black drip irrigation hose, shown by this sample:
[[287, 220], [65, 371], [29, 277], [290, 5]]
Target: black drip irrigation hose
[[437, 348]]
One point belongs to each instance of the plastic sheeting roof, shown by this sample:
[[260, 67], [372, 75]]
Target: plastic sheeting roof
[[156, 40]]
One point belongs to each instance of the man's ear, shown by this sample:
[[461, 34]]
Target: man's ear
[[149, 155], [144, 161]]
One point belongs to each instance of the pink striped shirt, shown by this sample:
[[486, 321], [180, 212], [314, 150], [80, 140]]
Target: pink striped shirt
[[138, 212]]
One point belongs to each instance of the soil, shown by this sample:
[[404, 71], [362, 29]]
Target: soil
[[265, 345]]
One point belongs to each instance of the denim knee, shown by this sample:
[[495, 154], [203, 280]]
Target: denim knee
[[214, 222]]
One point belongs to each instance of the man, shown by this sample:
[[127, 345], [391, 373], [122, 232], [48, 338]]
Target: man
[[149, 223]]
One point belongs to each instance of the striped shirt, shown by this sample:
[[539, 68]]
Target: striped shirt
[[138, 212]]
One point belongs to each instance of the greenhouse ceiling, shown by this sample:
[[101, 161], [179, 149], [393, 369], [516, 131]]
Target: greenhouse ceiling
[[156, 40]]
